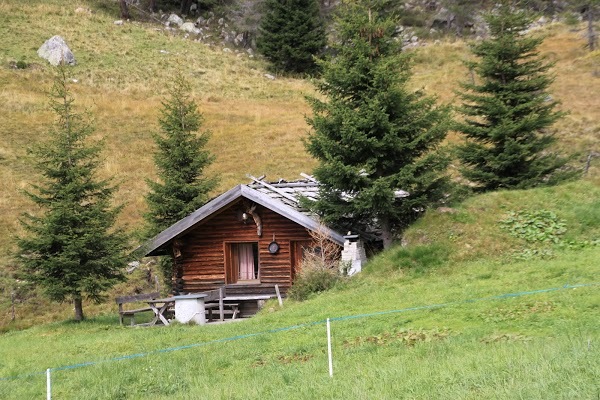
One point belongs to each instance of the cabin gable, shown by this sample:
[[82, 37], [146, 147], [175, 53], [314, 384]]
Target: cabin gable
[[208, 255]]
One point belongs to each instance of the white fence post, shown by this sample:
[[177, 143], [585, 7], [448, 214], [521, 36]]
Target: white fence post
[[329, 348], [48, 385]]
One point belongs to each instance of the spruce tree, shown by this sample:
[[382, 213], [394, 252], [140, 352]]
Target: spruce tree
[[181, 160], [508, 112], [291, 34], [372, 135], [71, 249]]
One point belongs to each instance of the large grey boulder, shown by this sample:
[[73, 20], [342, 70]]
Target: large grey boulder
[[56, 50], [443, 19], [175, 19], [190, 28], [201, 21]]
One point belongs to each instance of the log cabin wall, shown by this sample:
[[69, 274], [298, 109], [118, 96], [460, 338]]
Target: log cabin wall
[[201, 265]]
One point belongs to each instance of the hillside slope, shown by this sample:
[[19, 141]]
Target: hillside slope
[[257, 123], [121, 75], [420, 325]]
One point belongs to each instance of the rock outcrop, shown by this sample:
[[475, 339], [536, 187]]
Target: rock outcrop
[[55, 51]]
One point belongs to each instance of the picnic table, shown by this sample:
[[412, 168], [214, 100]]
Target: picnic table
[[193, 306], [136, 298], [160, 307]]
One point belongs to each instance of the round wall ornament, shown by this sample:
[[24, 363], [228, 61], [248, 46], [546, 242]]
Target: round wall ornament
[[273, 247]]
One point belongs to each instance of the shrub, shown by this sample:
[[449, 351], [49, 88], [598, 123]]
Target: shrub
[[312, 280]]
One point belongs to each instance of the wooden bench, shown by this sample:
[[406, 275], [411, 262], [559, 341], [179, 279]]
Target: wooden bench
[[214, 301], [231, 300], [134, 299], [232, 309]]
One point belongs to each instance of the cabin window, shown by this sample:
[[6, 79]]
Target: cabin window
[[243, 262]]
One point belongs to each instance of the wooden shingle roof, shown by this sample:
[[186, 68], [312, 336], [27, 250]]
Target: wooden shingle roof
[[281, 197]]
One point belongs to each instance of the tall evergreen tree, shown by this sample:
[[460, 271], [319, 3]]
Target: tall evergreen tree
[[372, 135], [181, 160], [508, 112], [72, 250], [291, 34]]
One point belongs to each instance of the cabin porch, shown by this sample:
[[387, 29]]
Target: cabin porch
[[238, 300]]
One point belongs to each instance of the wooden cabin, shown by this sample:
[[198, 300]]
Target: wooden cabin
[[247, 239]]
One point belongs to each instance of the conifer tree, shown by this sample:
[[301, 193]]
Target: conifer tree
[[508, 113], [372, 135], [181, 160], [292, 33], [71, 249]]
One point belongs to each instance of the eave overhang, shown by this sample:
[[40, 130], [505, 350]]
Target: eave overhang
[[160, 243]]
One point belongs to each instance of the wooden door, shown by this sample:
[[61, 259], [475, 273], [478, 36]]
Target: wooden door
[[298, 249], [231, 263]]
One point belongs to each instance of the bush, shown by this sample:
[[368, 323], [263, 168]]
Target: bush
[[312, 280], [321, 269]]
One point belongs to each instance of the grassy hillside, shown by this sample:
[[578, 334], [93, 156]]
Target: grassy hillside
[[474, 230], [257, 123], [121, 75], [430, 323]]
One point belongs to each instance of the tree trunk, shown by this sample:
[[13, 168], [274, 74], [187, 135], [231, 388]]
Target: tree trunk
[[152, 6], [185, 6], [77, 303], [124, 9], [591, 32], [386, 232]]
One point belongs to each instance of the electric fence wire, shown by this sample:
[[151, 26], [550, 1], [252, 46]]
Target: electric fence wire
[[304, 325]]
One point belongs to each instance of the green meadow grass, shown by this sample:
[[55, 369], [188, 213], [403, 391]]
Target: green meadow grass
[[427, 321], [541, 345]]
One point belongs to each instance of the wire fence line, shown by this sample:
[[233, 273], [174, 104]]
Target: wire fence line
[[302, 325]]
